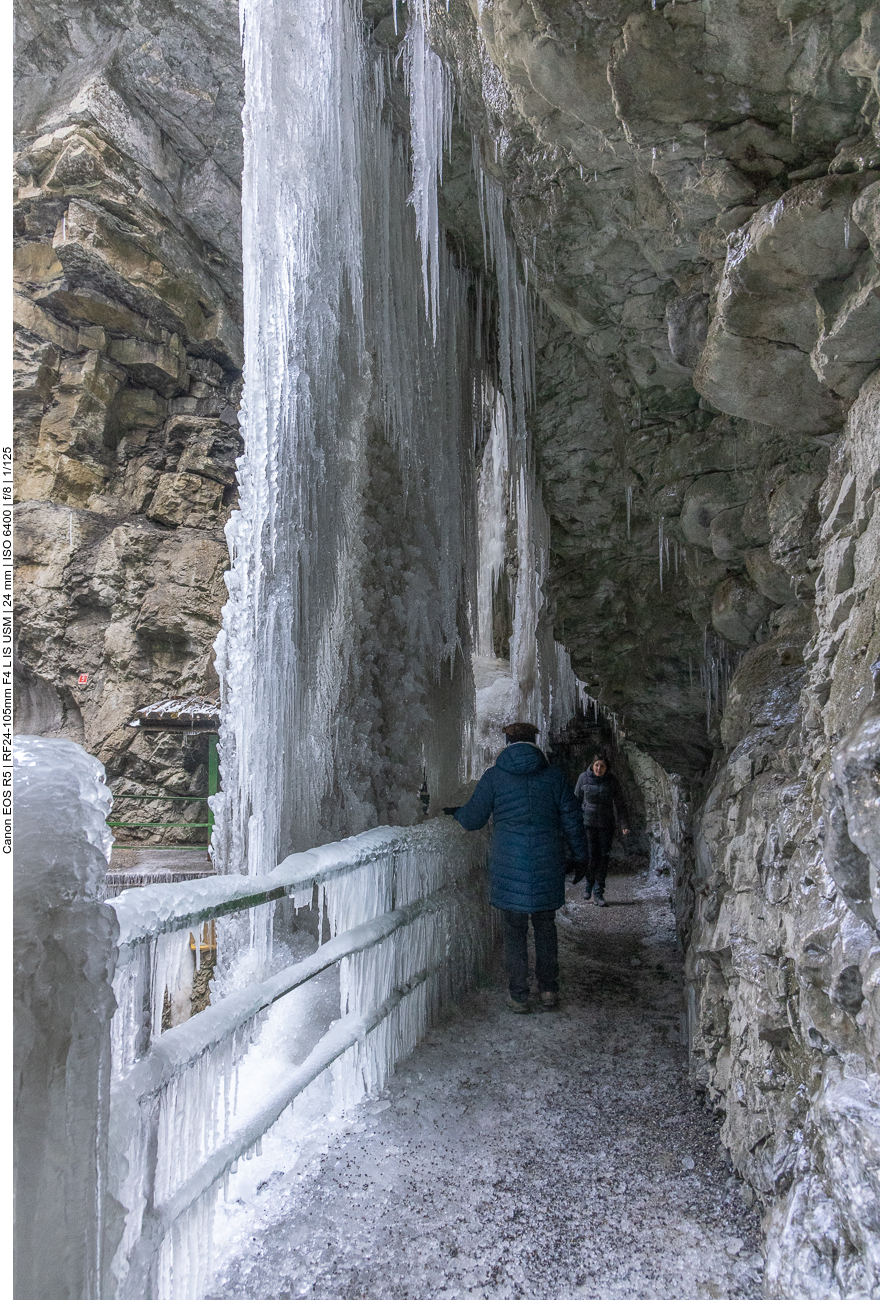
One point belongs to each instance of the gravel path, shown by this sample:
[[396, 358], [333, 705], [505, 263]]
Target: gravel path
[[555, 1155]]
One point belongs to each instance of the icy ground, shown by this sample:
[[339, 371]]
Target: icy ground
[[555, 1155]]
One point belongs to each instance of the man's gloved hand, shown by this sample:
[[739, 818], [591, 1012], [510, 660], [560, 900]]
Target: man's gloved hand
[[451, 811], [580, 870]]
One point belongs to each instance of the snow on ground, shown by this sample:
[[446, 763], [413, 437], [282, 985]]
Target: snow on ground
[[555, 1155]]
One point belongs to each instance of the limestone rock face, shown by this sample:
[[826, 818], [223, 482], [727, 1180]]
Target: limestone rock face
[[784, 954], [128, 355]]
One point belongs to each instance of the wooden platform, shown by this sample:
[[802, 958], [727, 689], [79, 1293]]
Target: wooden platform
[[131, 867]]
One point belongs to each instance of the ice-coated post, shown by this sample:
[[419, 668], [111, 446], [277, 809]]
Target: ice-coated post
[[66, 1225]]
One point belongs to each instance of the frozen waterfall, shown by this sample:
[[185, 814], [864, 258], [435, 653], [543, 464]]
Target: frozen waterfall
[[358, 584], [345, 651]]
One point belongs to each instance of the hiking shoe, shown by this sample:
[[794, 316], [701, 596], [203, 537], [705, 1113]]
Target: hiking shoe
[[549, 1001], [599, 899], [587, 892], [520, 1008]]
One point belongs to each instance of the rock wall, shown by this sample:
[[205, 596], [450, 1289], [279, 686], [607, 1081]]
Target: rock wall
[[784, 958], [128, 359], [694, 191]]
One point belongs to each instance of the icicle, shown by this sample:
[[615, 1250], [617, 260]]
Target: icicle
[[429, 86]]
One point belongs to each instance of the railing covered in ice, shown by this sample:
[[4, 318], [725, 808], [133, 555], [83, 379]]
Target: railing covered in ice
[[404, 918]]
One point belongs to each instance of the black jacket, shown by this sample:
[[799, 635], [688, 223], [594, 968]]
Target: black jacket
[[599, 796]]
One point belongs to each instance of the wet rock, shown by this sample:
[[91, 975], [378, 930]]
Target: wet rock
[[770, 579], [727, 536], [687, 323], [756, 362], [707, 498], [782, 867], [738, 610]]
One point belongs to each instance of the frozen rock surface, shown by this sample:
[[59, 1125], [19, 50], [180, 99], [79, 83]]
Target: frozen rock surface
[[558, 1154]]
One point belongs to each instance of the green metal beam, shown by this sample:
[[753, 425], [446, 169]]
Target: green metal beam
[[213, 776], [160, 824], [184, 798]]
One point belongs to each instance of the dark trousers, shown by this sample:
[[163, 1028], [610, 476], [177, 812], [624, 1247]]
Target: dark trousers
[[516, 930], [598, 848]]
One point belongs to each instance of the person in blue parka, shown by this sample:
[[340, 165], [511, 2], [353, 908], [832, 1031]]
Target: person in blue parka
[[533, 809]]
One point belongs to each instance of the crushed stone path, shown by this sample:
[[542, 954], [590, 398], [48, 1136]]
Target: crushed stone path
[[555, 1155]]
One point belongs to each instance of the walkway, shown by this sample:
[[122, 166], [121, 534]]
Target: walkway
[[555, 1156]]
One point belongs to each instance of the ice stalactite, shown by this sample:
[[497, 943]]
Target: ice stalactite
[[717, 666], [345, 651], [537, 682], [430, 90], [492, 526]]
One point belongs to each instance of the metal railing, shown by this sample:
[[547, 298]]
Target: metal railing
[[177, 798], [213, 788], [409, 925]]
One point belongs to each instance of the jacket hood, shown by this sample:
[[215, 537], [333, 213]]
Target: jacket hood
[[521, 758]]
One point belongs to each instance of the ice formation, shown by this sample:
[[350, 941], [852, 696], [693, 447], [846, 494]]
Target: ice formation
[[354, 578], [536, 682], [345, 652], [717, 666], [64, 958]]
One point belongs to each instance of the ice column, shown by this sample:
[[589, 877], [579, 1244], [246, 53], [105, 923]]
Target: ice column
[[64, 958]]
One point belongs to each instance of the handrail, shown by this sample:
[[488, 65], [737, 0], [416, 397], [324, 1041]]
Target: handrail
[[159, 909], [179, 1047], [343, 1035], [151, 1099]]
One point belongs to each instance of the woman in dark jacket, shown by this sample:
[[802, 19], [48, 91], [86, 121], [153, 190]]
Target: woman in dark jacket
[[600, 794], [533, 808]]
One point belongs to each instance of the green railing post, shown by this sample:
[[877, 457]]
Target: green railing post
[[213, 777]]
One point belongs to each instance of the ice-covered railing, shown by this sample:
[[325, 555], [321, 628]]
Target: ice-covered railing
[[405, 918]]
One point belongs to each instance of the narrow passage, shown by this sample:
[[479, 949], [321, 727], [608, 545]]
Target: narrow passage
[[556, 1155]]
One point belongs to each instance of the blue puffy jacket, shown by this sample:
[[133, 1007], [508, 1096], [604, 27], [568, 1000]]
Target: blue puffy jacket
[[532, 807]]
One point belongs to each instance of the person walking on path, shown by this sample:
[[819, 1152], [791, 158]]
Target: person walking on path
[[533, 809], [600, 793]]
